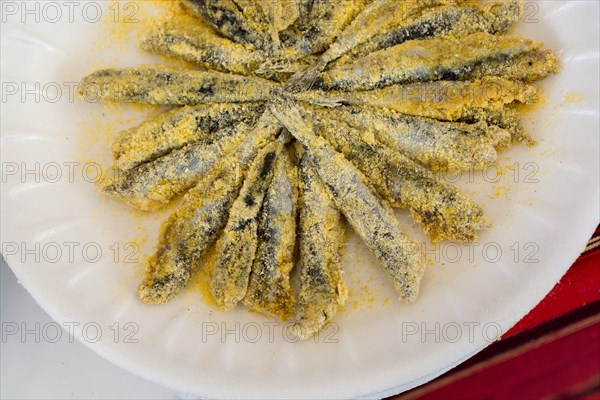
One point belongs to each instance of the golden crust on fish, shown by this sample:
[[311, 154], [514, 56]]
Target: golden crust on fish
[[201, 45], [176, 128], [320, 233], [172, 87], [370, 216], [442, 20], [447, 146], [375, 94], [229, 19], [188, 232], [269, 289], [442, 210], [236, 248], [152, 185], [447, 58], [445, 100]]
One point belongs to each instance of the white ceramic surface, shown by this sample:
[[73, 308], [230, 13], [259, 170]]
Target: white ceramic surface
[[543, 207]]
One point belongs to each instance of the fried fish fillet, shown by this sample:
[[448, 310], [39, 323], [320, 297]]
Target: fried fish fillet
[[441, 209], [176, 128], [153, 85], [371, 217], [154, 184], [269, 289], [447, 58], [441, 145], [457, 20], [442, 100], [236, 248], [320, 235], [229, 19], [200, 44], [188, 232]]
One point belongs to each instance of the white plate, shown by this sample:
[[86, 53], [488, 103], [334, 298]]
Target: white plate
[[544, 207]]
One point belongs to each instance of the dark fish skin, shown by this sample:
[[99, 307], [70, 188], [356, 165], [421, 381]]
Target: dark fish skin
[[201, 45], [172, 87], [474, 56], [236, 248], [446, 20], [371, 217], [176, 128], [260, 15], [154, 184], [301, 23], [228, 19], [507, 118], [269, 289], [528, 67], [447, 146], [187, 234], [320, 236], [489, 100], [441, 209], [375, 18], [327, 19], [197, 222]]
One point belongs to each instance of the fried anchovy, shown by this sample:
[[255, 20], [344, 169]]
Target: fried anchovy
[[258, 15], [462, 20], [176, 128], [528, 67], [188, 232], [322, 289], [200, 44], [327, 19], [374, 19], [269, 289], [154, 184], [173, 87], [372, 218], [442, 210], [507, 118], [236, 248], [304, 8], [255, 13], [448, 58], [281, 70], [227, 17], [195, 225], [449, 146], [280, 14], [443, 100]]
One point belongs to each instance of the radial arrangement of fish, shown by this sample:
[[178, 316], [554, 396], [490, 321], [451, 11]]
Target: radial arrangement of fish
[[305, 115]]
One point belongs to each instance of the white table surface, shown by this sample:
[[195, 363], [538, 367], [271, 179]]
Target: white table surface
[[66, 369]]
